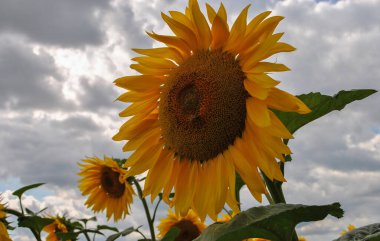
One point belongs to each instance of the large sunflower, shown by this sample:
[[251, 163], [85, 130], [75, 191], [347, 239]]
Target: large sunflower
[[56, 226], [202, 109], [105, 183], [190, 225], [4, 236]]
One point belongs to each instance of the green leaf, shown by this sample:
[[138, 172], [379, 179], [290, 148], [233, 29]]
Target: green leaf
[[85, 220], [34, 222], [21, 191], [366, 233], [274, 222], [125, 232], [101, 227], [320, 106], [66, 236], [172, 234]]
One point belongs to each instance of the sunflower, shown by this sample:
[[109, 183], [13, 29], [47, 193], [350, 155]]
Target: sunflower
[[4, 236], [350, 227], [202, 109], [190, 225], [56, 226], [105, 183]]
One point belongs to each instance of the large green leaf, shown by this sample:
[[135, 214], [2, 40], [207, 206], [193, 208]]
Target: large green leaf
[[21, 191], [320, 106], [172, 234], [274, 222], [34, 222], [367, 233]]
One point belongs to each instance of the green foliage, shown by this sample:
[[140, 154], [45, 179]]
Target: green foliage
[[67, 236], [172, 234], [274, 222], [367, 233], [125, 232], [21, 191], [35, 223], [320, 106]]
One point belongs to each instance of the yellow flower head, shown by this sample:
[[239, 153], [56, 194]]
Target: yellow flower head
[[4, 236], [202, 109], [190, 225], [105, 183], [53, 228], [350, 227]]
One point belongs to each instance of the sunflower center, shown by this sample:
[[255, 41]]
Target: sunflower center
[[202, 106], [188, 232], [110, 183]]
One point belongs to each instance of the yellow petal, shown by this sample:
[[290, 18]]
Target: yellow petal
[[181, 30], [220, 33], [139, 82], [147, 160], [171, 181], [142, 69], [172, 41], [210, 13], [277, 128], [182, 18], [252, 25], [262, 79], [222, 13], [157, 63], [251, 58], [163, 165], [265, 67], [261, 31], [281, 47], [203, 29], [258, 112], [140, 139], [133, 96], [134, 127], [137, 155], [237, 31], [165, 52], [138, 107], [281, 100], [256, 90]]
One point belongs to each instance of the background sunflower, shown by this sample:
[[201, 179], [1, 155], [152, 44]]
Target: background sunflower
[[106, 186], [190, 225]]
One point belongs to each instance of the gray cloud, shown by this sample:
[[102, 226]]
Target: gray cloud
[[27, 80], [66, 23], [47, 149]]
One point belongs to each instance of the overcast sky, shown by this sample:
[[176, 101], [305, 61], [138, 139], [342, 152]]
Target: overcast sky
[[58, 60]]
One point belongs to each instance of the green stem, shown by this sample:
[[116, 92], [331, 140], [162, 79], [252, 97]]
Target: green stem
[[138, 231], [87, 237], [36, 235], [150, 222], [155, 209]]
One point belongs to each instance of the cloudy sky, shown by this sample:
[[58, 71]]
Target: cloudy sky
[[58, 60]]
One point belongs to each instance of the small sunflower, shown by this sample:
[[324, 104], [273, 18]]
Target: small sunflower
[[56, 226], [4, 236], [190, 225], [202, 109], [350, 227], [105, 183]]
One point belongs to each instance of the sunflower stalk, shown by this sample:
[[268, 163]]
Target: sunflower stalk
[[150, 221]]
